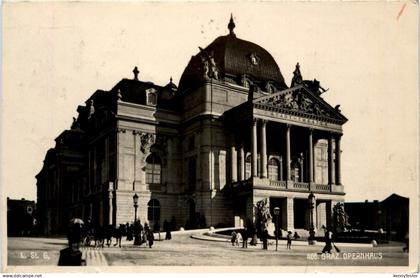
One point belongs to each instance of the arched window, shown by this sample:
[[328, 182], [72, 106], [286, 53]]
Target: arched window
[[295, 173], [248, 166], [153, 169], [273, 169], [153, 210]]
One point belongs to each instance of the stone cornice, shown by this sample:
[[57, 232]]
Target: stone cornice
[[297, 121], [297, 113]]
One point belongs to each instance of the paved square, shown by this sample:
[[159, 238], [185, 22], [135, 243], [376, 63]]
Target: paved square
[[183, 250]]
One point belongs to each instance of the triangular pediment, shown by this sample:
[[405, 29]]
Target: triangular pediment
[[299, 100]]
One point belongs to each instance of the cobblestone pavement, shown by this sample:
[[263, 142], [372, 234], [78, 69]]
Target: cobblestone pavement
[[185, 251]]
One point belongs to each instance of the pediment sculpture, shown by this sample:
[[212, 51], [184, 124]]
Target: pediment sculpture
[[297, 100]]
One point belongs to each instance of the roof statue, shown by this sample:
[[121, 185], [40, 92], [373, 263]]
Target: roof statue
[[337, 108], [119, 95], [209, 66], [91, 109], [315, 86], [136, 73], [297, 76]]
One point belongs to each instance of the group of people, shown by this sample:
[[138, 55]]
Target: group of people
[[140, 234], [238, 236], [99, 236], [86, 234], [243, 235]]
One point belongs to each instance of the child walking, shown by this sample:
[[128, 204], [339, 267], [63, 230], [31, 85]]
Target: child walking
[[289, 240]]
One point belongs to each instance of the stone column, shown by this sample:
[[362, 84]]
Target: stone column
[[311, 157], [337, 160], [281, 168], [330, 160], [110, 208], [241, 162], [263, 138], [288, 153], [288, 214], [254, 169], [233, 162]]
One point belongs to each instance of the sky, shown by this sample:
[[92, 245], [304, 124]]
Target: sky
[[55, 55]]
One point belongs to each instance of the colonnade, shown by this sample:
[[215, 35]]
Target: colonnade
[[237, 152]]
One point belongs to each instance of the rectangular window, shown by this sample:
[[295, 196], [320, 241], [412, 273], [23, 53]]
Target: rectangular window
[[153, 173]]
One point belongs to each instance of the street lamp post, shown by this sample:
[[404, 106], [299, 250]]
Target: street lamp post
[[135, 204], [110, 196], [311, 203], [136, 227], [276, 213]]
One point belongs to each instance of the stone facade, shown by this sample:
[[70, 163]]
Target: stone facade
[[200, 155]]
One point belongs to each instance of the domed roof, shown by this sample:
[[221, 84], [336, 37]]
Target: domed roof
[[235, 58]]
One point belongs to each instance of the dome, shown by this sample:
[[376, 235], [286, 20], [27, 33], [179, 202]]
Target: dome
[[235, 59]]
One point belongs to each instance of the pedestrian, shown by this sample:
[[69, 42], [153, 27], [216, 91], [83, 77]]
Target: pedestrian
[[156, 228], [118, 235], [72, 256], [289, 240], [167, 229], [130, 231], [328, 241], [172, 226], [137, 230], [150, 238], [245, 237], [233, 238], [145, 237], [254, 237], [296, 236], [74, 235], [238, 238], [109, 234]]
